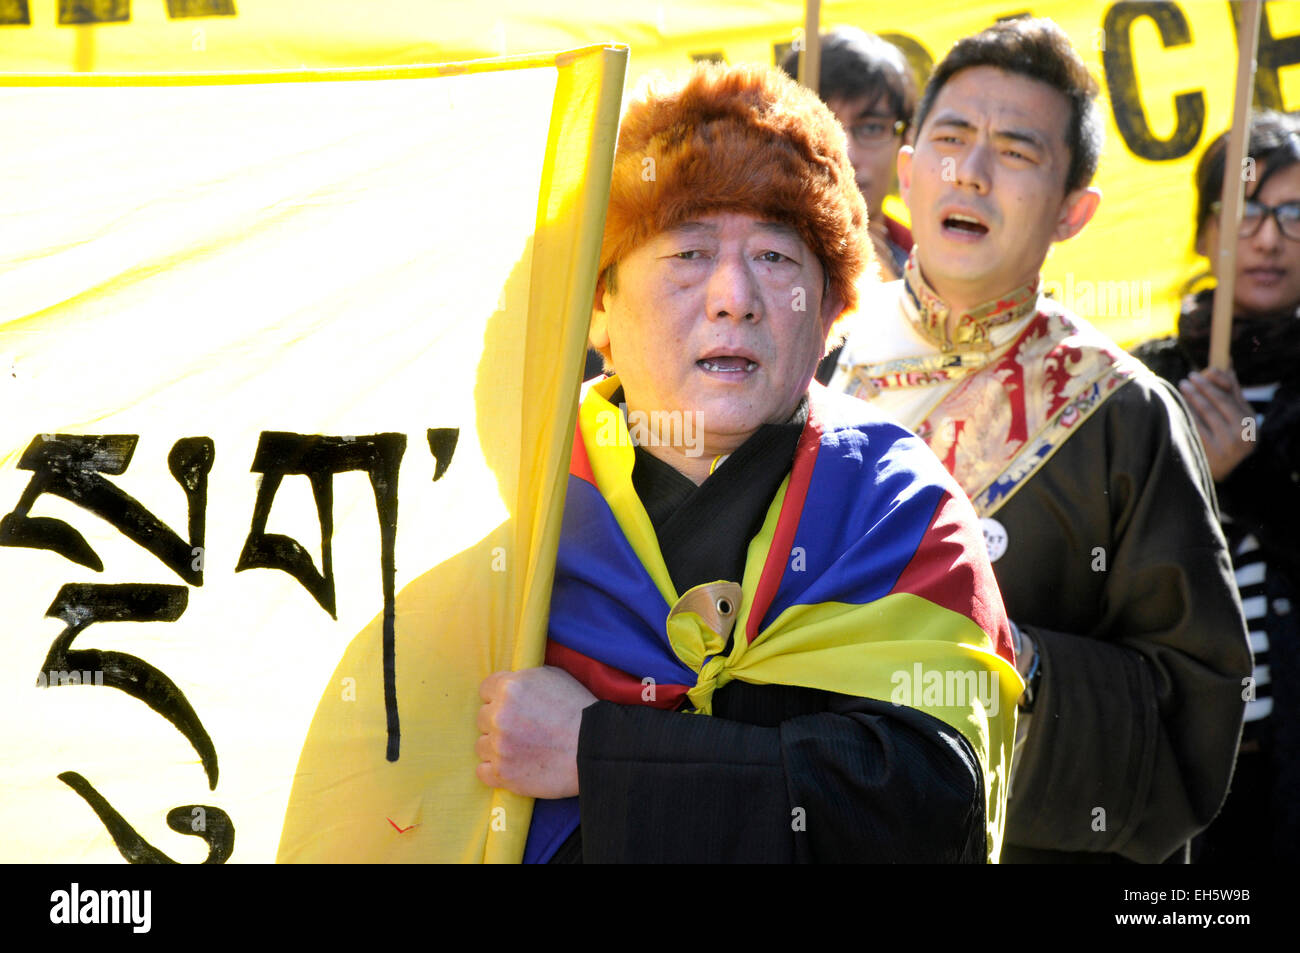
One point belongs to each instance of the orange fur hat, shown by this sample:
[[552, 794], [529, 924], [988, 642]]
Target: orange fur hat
[[743, 139]]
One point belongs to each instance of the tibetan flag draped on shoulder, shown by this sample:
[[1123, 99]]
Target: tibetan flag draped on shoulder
[[868, 578], [282, 354]]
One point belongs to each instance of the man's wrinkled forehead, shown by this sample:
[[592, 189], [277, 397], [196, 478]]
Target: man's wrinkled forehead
[[1016, 109], [704, 227], [1019, 104]]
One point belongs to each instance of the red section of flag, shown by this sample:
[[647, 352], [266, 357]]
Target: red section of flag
[[579, 463], [611, 684], [949, 568], [805, 457]]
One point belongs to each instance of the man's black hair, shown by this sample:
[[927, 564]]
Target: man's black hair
[[1039, 49], [856, 65]]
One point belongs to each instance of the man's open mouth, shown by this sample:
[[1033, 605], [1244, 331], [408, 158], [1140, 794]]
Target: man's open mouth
[[727, 365], [965, 223]]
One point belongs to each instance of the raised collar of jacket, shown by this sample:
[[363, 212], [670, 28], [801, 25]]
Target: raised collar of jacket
[[930, 313]]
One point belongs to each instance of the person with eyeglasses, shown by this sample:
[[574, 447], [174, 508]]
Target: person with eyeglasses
[[868, 85], [1249, 422]]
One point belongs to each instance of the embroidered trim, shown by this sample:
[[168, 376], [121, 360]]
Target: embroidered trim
[[999, 415], [994, 430], [972, 331], [870, 379]]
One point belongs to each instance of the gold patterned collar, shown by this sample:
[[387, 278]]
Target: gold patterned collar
[[972, 334]]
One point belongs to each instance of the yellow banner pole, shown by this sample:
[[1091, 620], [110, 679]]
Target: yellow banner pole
[[810, 63], [1232, 197]]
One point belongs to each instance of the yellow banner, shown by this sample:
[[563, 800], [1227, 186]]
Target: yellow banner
[[1167, 71], [283, 354]]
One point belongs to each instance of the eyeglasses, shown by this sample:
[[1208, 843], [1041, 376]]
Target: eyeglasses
[[876, 132], [1254, 214]]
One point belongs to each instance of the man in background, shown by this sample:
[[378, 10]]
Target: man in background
[[1096, 499], [868, 85]]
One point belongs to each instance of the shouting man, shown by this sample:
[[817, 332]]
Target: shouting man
[[1096, 500], [774, 634]]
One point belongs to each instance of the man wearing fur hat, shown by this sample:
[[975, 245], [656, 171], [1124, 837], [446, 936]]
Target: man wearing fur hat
[[757, 585], [1095, 494]]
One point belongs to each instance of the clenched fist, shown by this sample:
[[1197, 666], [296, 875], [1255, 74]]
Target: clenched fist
[[529, 723]]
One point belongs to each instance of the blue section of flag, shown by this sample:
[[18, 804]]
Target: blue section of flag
[[553, 822], [605, 605], [876, 540], [601, 587]]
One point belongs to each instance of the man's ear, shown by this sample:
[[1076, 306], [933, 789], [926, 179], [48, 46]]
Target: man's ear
[[598, 331], [832, 308], [905, 172], [1076, 211]]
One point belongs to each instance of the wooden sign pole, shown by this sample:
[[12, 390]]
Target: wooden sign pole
[[1234, 185], [810, 59]]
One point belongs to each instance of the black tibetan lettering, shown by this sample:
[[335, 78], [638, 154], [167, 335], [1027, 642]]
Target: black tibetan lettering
[[319, 458], [15, 13], [80, 605], [180, 9], [216, 829], [69, 466], [442, 444], [72, 12]]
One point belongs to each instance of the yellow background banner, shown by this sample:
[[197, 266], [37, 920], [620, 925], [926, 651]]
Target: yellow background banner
[[354, 255], [273, 350], [1166, 70]]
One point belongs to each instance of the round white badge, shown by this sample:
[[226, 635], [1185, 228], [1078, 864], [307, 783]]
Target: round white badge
[[995, 538]]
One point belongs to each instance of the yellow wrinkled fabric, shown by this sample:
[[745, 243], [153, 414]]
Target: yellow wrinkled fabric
[[1168, 69], [406, 251]]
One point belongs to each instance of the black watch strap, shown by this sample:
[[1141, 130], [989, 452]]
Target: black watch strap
[[1032, 678]]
